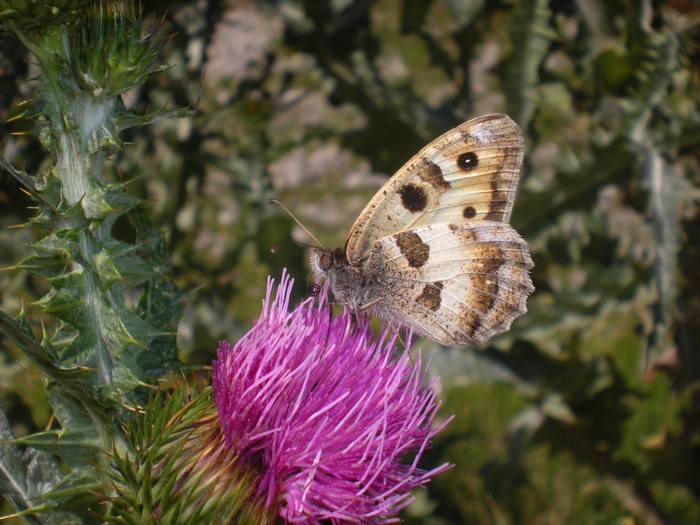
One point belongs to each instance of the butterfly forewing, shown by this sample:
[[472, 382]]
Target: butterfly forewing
[[470, 173]]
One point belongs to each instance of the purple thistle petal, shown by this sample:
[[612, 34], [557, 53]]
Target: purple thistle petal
[[326, 412]]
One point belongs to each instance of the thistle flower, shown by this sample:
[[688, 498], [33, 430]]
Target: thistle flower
[[325, 412]]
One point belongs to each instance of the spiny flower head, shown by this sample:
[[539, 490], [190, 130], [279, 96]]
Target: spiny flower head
[[335, 422]]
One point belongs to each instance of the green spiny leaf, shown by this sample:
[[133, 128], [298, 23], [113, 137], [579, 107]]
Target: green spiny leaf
[[26, 475], [46, 359], [75, 447], [45, 190], [119, 261]]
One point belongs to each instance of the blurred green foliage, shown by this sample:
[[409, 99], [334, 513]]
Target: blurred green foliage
[[588, 410]]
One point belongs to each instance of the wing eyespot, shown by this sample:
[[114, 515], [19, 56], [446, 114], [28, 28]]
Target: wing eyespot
[[468, 161], [469, 212]]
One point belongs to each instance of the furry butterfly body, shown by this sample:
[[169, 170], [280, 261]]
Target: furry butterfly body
[[433, 249]]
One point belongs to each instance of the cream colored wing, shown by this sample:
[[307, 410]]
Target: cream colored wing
[[468, 174], [454, 283]]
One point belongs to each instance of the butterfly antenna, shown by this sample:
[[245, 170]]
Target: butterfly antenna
[[275, 201]]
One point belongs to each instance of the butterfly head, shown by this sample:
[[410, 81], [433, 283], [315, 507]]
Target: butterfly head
[[346, 281], [323, 260]]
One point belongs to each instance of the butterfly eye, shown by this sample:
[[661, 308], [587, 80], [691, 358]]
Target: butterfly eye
[[325, 261]]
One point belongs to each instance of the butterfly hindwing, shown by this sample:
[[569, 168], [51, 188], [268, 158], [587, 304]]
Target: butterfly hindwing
[[455, 283], [468, 174]]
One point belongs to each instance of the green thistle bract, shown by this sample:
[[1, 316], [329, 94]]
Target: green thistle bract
[[180, 470]]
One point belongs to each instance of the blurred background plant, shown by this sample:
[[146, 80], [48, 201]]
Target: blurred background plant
[[587, 411]]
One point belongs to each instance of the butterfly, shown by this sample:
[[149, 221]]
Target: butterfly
[[433, 249]]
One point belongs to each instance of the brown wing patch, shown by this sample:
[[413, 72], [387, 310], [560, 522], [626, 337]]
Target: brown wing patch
[[498, 203], [468, 322], [430, 296], [490, 258], [413, 198], [413, 248], [432, 174]]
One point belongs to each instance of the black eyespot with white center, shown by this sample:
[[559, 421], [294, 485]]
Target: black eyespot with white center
[[469, 212], [468, 161]]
